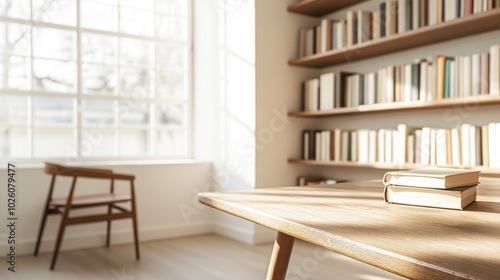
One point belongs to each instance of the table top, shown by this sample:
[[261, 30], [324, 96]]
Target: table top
[[353, 219]]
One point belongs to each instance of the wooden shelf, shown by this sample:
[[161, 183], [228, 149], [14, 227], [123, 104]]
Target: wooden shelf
[[388, 166], [461, 27], [471, 101], [318, 8]]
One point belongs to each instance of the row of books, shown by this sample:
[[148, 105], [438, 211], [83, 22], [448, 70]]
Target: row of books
[[467, 145], [432, 187], [435, 78], [392, 17], [314, 180]]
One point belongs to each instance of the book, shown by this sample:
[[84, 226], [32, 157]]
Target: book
[[418, 142], [305, 145], [447, 79], [465, 141], [326, 32], [491, 147], [377, 32], [312, 180], [441, 79], [379, 20], [307, 180], [485, 153], [310, 41], [456, 198], [372, 146], [345, 146], [432, 12], [351, 28], [381, 145], [475, 78], [495, 70], [415, 81], [415, 14], [468, 7], [422, 94], [485, 73], [363, 144], [424, 9], [425, 146], [466, 76], [337, 144], [364, 26], [432, 177], [456, 148], [389, 84], [391, 18]]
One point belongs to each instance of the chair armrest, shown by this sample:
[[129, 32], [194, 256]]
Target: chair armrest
[[53, 168]]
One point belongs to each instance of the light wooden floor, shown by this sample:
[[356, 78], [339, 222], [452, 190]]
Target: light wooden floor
[[199, 258]]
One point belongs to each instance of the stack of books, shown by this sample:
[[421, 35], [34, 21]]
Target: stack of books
[[432, 187]]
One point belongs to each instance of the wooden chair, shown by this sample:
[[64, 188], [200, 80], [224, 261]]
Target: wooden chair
[[63, 206]]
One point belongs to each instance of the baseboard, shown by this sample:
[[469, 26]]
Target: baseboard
[[235, 233], [117, 238]]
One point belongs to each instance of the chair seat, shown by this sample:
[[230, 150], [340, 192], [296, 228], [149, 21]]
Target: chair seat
[[91, 200]]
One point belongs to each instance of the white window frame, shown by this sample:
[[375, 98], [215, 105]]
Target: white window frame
[[79, 96]]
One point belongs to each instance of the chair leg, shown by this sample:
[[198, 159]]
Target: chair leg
[[108, 228], [44, 215], [40, 232], [136, 237], [60, 234]]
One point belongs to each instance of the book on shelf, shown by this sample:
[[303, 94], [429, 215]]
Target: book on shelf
[[379, 16], [495, 70], [437, 77], [364, 25], [389, 18], [465, 145], [312, 180], [391, 26], [455, 198], [432, 177]]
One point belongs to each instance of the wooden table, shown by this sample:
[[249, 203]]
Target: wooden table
[[352, 219]]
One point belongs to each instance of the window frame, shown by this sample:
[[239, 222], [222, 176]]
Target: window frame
[[78, 127]]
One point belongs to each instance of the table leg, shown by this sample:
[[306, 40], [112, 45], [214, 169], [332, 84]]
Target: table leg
[[281, 257]]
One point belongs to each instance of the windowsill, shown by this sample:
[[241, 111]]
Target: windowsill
[[97, 163]]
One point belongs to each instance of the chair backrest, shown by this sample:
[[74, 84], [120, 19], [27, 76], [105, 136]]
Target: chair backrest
[[64, 170]]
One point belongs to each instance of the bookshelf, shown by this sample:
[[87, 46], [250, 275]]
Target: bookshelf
[[386, 166], [453, 29], [317, 8], [440, 32], [401, 106]]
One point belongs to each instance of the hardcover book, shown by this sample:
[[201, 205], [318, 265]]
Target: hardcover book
[[432, 177], [456, 198]]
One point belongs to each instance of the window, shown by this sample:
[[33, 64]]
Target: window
[[94, 79]]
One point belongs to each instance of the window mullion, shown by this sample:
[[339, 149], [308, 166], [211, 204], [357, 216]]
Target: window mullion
[[78, 113], [51, 119], [30, 87], [118, 86]]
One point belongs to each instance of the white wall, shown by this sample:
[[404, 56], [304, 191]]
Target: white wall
[[224, 85], [278, 91], [166, 203]]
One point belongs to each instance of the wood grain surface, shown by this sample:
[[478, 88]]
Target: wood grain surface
[[353, 219]]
